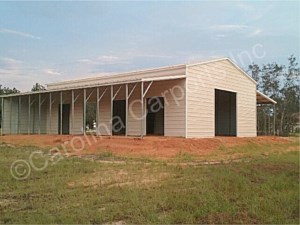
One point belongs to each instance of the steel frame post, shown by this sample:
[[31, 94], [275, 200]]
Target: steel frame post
[[111, 107], [73, 108], [126, 116], [2, 115], [29, 116], [97, 111], [10, 117], [60, 111], [50, 112], [84, 111], [19, 109], [143, 94], [142, 109], [39, 113]]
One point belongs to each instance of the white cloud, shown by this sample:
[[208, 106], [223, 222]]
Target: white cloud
[[153, 56], [10, 61], [247, 31], [21, 75], [254, 33], [18, 33], [9, 66], [51, 72], [104, 60], [87, 61], [108, 58]]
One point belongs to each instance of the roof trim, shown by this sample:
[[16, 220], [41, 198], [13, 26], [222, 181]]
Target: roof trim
[[228, 59], [164, 78], [268, 99], [116, 75], [206, 61]]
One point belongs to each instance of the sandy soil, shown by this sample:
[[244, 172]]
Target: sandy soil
[[159, 147]]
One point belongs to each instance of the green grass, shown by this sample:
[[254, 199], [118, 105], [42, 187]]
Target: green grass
[[74, 190], [253, 150]]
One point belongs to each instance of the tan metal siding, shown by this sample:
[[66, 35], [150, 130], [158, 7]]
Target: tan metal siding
[[14, 115], [134, 112], [54, 113], [7, 116], [105, 113], [173, 92], [202, 81], [78, 114], [44, 112], [24, 115]]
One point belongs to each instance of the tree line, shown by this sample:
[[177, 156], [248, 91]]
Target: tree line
[[279, 82]]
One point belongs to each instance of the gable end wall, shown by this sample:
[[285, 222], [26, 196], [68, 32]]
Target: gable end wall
[[202, 80]]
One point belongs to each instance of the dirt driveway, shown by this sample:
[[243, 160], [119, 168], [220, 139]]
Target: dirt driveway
[[159, 147]]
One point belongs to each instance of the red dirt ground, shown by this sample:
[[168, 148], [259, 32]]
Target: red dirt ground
[[159, 147]]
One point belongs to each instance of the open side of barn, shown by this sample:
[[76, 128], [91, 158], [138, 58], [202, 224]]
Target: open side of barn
[[121, 103], [213, 98]]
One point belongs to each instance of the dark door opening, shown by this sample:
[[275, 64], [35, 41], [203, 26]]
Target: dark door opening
[[65, 119], [225, 113], [155, 116], [119, 117], [91, 108]]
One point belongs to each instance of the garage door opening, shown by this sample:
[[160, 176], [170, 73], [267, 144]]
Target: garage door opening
[[119, 117], [155, 116], [225, 113]]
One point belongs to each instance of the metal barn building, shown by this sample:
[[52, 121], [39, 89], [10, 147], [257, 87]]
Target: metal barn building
[[207, 99]]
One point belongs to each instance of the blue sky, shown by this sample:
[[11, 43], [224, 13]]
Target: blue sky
[[54, 41]]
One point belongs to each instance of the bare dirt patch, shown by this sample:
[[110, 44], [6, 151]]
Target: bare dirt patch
[[158, 147]]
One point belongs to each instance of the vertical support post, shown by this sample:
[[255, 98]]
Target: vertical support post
[[274, 118], [73, 108], [29, 116], [2, 115], [111, 107], [126, 112], [50, 112], [97, 112], [60, 111], [19, 109], [39, 113], [142, 109], [84, 110], [10, 118]]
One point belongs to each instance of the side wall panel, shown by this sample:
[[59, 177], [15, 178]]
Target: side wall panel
[[24, 115], [105, 113], [173, 92]]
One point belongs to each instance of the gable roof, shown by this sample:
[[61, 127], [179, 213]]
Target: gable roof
[[150, 72], [169, 72], [231, 62]]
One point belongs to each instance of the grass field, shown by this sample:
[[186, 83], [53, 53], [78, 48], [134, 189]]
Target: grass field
[[263, 187]]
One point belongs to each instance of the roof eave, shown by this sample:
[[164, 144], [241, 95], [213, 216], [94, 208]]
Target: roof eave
[[269, 100]]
